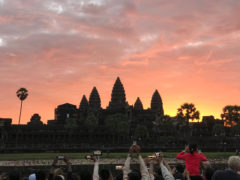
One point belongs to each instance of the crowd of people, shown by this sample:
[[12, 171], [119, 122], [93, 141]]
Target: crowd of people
[[197, 167]]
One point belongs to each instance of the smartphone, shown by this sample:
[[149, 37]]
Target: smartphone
[[134, 142], [88, 157], [119, 168], [97, 153], [60, 157], [151, 157]]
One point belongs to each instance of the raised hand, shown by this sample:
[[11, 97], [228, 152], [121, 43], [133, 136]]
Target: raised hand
[[131, 149], [186, 148], [137, 149]]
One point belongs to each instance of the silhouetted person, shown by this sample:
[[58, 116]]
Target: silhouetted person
[[85, 175], [14, 175], [40, 175], [192, 160], [231, 173], [105, 174]]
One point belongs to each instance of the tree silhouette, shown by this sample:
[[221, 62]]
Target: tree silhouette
[[188, 112], [231, 115], [235, 130], [22, 94]]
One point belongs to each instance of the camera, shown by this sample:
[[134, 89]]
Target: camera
[[97, 153], [60, 157], [119, 168]]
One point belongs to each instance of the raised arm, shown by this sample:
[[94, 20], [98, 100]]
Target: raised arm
[[181, 155], [165, 163], [96, 168], [203, 158], [50, 176], [126, 167], [186, 174], [151, 169], [167, 175], [69, 168], [143, 168]]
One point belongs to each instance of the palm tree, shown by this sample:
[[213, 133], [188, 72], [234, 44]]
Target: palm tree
[[231, 115], [188, 112], [22, 94]]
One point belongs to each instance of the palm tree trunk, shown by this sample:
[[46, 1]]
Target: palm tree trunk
[[20, 113]]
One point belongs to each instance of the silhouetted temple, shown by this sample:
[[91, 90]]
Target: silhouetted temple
[[90, 126], [156, 103], [118, 104], [138, 105], [118, 97], [94, 100]]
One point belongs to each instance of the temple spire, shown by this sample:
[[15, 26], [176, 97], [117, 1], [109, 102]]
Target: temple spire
[[84, 103], [156, 103], [138, 105], [94, 99], [118, 97]]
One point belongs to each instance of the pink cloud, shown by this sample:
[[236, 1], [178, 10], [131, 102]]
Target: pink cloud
[[188, 50]]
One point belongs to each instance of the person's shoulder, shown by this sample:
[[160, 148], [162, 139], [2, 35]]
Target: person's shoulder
[[225, 174], [219, 172]]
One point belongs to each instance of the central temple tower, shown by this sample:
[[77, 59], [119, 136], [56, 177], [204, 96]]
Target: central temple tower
[[118, 97]]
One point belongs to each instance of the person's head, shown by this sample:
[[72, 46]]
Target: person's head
[[134, 175], [119, 175], [14, 175], [193, 148], [32, 177], [158, 177], [59, 177], [209, 173], [180, 168], [57, 171], [40, 175], [178, 175], [85, 175], [105, 174], [234, 163]]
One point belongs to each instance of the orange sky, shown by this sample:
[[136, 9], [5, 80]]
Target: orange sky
[[59, 50]]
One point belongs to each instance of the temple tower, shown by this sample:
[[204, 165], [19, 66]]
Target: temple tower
[[94, 99], [138, 105], [156, 103], [118, 97], [83, 104]]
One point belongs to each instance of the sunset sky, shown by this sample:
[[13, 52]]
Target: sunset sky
[[187, 49]]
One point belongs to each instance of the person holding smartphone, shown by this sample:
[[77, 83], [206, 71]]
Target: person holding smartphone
[[104, 174], [135, 175], [58, 172], [192, 159]]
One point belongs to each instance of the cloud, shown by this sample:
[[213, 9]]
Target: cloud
[[187, 49]]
